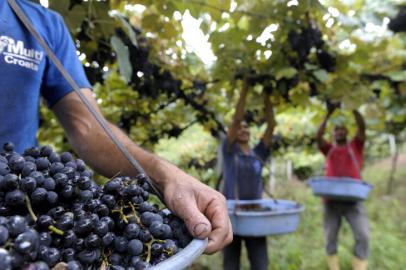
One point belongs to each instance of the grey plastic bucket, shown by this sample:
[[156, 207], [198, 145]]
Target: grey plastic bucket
[[183, 258], [283, 217], [340, 188]]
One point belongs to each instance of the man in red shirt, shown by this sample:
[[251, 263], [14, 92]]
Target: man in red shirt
[[344, 159]]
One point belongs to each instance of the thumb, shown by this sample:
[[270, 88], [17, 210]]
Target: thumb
[[197, 223]]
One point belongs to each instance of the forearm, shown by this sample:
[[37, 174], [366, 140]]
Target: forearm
[[270, 120], [238, 115], [360, 124], [359, 120], [240, 107], [97, 149], [92, 144]]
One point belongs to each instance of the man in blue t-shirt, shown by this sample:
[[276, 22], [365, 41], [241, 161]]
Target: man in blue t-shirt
[[242, 173], [26, 74]]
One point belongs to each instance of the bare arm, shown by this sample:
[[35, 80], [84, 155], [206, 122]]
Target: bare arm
[[202, 208], [270, 119], [322, 129], [239, 114], [360, 125]]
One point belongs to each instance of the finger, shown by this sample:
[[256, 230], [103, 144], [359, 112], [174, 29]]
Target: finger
[[186, 208], [221, 233]]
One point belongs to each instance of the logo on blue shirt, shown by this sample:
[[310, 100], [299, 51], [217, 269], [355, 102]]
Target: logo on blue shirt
[[15, 53]]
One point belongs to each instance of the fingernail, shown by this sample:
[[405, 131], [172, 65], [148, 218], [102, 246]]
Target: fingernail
[[199, 229]]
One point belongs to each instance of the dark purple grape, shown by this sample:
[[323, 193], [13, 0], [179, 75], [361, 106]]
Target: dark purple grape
[[170, 246], [9, 182], [71, 164], [42, 163], [51, 256], [108, 239], [69, 171], [45, 151], [120, 244], [8, 147], [112, 187], [4, 169], [49, 183], [38, 176], [41, 266], [135, 247], [79, 245], [109, 222], [32, 151], [101, 228], [28, 168], [67, 191], [115, 259], [80, 165], [44, 221], [92, 241], [148, 217], [45, 239], [54, 157], [16, 163], [156, 249], [145, 236], [66, 157], [55, 168], [28, 184], [5, 260], [17, 260], [88, 256], [69, 238], [74, 265], [52, 198], [160, 230], [137, 200], [131, 231], [146, 207], [16, 225], [109, 200], [85, 195], [65, 222], [39, 195], [83, 226], [87, 173], [68, 254], [61, 179], [15, 198], [57, 212], [3, 235], [102, 210], [27, 242]]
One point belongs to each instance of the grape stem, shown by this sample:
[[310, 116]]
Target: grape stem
[[29, 207], [120, 211], [35, 218], [149, 244], [135, 213]]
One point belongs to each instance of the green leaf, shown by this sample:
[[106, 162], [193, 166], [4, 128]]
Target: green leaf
[[128, 27], [287, 72], [321, 75], [123, 57], [397, 76]]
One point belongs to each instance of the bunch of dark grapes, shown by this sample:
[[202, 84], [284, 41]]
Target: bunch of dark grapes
[[51, 211]]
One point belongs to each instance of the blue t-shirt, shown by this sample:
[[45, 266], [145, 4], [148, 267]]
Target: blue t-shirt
[[245, 170], [26, 72]]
